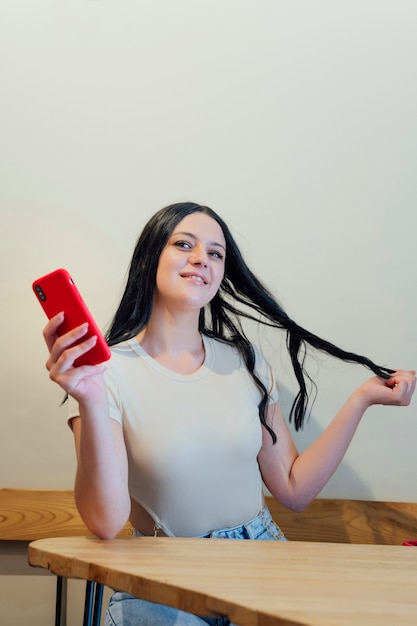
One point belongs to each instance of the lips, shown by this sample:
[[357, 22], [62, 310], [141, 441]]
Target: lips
[[195, 277]]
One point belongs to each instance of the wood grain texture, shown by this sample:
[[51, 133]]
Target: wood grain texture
[[254, 583], [349, 521], [29, 514]]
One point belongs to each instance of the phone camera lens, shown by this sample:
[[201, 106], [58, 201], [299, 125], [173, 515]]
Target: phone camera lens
[[40, 293]]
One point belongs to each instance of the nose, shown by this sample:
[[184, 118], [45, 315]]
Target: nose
[[199, 256]]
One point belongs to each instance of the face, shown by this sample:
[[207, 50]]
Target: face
[[191, 266]]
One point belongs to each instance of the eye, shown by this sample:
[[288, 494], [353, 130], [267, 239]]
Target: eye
[[185, 245], [216, 254]]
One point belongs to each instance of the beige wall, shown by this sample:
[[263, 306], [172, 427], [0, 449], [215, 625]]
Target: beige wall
[[294, 120]]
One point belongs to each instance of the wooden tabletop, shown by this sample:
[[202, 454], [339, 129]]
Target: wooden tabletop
[[262, 583]]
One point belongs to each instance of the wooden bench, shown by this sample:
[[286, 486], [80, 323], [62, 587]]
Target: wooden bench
[[29, 514], [349, 521]]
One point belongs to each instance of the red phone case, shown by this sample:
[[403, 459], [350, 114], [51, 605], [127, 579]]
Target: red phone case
[[57, 292]]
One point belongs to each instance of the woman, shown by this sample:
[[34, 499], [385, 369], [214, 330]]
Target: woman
[[180, 430]]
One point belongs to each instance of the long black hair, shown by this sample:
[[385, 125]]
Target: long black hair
[[221, 317]]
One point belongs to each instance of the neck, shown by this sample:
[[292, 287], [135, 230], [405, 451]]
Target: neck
[[179, 348], [174, 335]]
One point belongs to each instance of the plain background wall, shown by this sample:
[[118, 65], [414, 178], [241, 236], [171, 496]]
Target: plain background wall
[[296, 121]]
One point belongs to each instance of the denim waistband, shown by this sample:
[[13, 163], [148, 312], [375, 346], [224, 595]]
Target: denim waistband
[[260, 527]]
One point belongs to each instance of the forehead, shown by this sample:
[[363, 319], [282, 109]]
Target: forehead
[[202, 226]]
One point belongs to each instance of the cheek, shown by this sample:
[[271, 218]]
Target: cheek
[[160, 278], [165, 264], [219, 278]]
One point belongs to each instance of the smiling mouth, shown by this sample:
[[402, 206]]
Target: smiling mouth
[[195, 278]]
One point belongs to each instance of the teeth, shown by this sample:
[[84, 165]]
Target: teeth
[[197, 278]]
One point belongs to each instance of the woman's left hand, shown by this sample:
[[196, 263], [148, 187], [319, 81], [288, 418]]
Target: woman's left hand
[[394, 391]]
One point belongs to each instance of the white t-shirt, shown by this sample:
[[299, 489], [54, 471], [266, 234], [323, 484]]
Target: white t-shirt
[[192, 440]]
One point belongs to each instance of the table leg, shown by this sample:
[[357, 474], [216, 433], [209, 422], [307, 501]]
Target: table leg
[[98, 603], [61, 601], [88, 603], [93, 603]]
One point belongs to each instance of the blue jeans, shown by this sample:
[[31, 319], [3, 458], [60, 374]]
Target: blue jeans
[[126, 610]]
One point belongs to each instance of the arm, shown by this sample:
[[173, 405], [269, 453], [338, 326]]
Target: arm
[[101, 485], [296, 479]]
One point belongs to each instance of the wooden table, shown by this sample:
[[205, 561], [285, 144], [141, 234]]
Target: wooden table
[[261, 583]]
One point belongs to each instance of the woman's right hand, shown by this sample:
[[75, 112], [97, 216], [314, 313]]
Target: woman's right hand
[[85, 381]]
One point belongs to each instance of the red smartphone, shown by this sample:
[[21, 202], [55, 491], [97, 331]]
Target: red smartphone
[[57, 292]]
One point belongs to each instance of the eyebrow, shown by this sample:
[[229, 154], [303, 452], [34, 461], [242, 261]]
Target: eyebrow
[[212, 243]]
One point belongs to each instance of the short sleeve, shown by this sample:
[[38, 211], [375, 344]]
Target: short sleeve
[[73, 410], [113, 396]]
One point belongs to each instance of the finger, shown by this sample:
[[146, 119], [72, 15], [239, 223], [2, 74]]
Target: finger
[[400, 375], [72, 381], [403, 385], [50, 330], [65, 342], [66, 359]]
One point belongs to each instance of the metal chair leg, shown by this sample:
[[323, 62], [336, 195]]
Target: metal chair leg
[[98, 603], [88, 604], [92, 604]]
